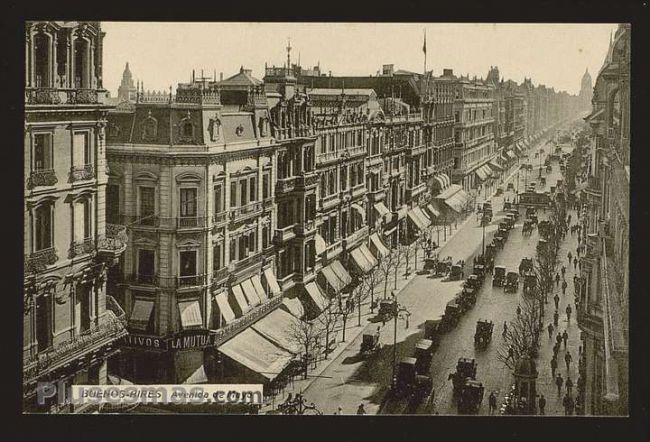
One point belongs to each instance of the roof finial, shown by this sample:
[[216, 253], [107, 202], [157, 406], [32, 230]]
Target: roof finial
[[288, 52]]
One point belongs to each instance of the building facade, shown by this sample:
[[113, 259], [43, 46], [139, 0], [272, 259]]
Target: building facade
[[71, 325], [603, 307]]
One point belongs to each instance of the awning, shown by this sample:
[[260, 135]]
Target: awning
[[271, 282], [198, 376], [401, 213], [423, 216], [417, 221], [341, 272], [455, 203], [594, 115], [190, 312], [381, 209], [361, 261], [224, 307], [432, 210], [320, 300], [451, 190], [360, 210], [495, 166], [250, 293], [257, 353], [332, 279], [141, 314], [277, 327], [380, 249], [511, 154], [240, 300], [369, 256], [441, 182], [482, 174], [257, 283], [294, 306], [320, 244], [444, 180]]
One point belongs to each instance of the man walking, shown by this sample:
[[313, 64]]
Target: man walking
[[542, 404], [565, 338], [558, 382], [493, 403], [505, 328], [361, 410], [550, 330], [569, 256], [568, 359], [575, 263], [556, 298], [553, 365], [518, 310], [563, 269], [556, 317], [557, 279], [568, 313], [568, 405], [558, 339], [564, 286], [569, 385]]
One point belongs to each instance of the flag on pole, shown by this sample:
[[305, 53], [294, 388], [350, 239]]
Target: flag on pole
[[424, 47]]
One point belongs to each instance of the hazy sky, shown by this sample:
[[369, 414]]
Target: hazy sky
[[163, 54]]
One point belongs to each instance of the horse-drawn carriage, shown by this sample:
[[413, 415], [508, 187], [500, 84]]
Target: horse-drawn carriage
[[512, 282], [499, 276], [457, 270], [465, 369], [483, 334], [370, 344]]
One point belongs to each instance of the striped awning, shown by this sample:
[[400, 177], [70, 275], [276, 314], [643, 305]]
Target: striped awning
[[483, 173], [432, 210], [238, 300], [361, 260], [380, 249], [294, 306], [368, 255], [319, 244], [141, 314], [381, 209], [443, 180], [416, 220], [341, 272], [271, 282], [320, 300], [190, 313], [224, 307], [333, 279], [495, 166]]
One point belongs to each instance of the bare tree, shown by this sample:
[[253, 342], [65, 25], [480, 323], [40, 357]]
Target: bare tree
[[363, 290], [386, 264], [369, 282], [306, 335], [522, 335], [327, 323], [399, 254]]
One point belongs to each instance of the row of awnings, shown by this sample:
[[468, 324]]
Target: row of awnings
[[336, 276], [189, 313], [419, 218], [244, 296], [443, 180], [454, 197], [363, 258]]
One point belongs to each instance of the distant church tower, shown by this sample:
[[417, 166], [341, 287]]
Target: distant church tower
[[586, 91], [127, 90]]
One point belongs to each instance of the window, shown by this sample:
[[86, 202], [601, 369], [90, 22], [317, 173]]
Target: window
[[217, 256], [187, 262], [188, 129], [147, 205], [266, 185], [81, 148], [233, 249], [43, 228], [113, 204], [344, 178], [253, 189], [146, 265], [252, 242], [87, 218], [188, 203], [218, 198], [84, 307], [233, 194], [243, 252], [43, 322], [243, 194], [43, 152], [266, 237]]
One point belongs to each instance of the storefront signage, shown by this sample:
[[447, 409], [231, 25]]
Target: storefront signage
[[199, 339]]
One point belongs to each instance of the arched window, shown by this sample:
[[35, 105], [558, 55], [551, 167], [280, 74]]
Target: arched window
[[43, 227], [42, 60], [81, 63]]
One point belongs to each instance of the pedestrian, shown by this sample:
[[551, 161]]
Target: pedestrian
[[569, 385], [578, 251], [568, 313], [579, 351], [550, 330], [564, 286], [553, 365], [542, 404], [558, 339], [567, 360], [558, 382], [361, 410], [557, 279], [567, 402], [505, 328], [556, 299], [556, 317], [569, 256], [493, 403], [575, 263], [565, 338], [563, 271], [556, 349], [518, 310]]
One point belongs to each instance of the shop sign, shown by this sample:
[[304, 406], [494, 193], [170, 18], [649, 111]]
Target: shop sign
[[194, 340]]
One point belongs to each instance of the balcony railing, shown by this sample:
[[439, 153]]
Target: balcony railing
[[40, 260], [220, 218], [167, 281], [219, 276], [83, 172], [192, 280], [191, 222], [376, 195], [358, 190], [354, 151], [81, 247], [43, 177], [326, 157], [285, 233], [230, 330], [109, 328], [285, 185], [247, 211], [354, 238], [307, 180], [82, 96], [329, 200], [249, 261], [306, 227]]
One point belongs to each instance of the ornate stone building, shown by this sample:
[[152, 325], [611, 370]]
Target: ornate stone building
[[603, 304], [70, 324]]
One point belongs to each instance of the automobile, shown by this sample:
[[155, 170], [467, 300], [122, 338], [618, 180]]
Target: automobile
[[470, 397], [534, 218], [423, 354], [370, 344], [456, 271], [483, 334], [515, 213], [504, 232], [507, 206], [530, 283], [549, 168], [512, 282], [467, 298], [498, 240], [451, 316], [527, 228], [386, 310], [473, 281], [443, 267], [432, 330], [499, 276], [409, 382], [530, 211], [504, 225], [541, 245], [465, 369]]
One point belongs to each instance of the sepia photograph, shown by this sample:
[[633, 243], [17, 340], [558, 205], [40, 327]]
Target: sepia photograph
[[310, 218]]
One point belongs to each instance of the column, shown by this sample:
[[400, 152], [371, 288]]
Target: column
[[71, 61], [54, 75], [28, 61]]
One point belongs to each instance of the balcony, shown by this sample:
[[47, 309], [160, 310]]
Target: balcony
[[113, 244], [418, 150], [192, 281], [109, 328], [327, 157], [43, 177], [358, 190], [244, 212], [219, 276], [172, 282], [40, 260], [355, 238], [267, 203], [307, 180], [375, 196], [248, 262], [82, 247], [191, 222], [285, 185], [334, 250], [353, 152], [414, 191], [80, 173], [306, 228], [329, 201], [239, 324], [285, 234], [220, 218]]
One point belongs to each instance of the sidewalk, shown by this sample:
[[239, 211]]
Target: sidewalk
[[353, 330]]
